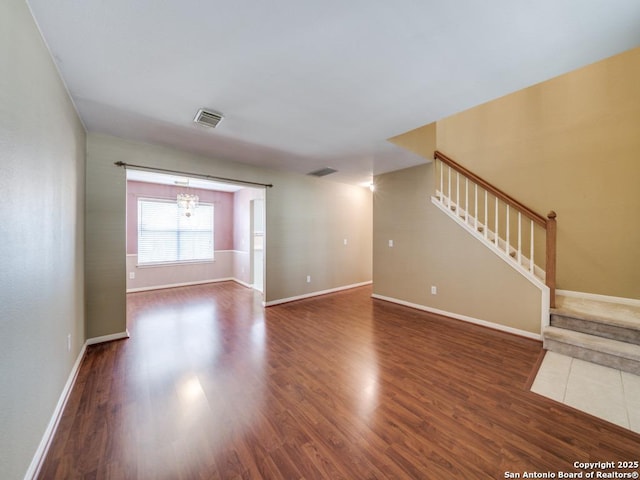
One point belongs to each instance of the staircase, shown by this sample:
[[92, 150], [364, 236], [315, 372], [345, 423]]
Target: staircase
[[600, 332], [521, 237], [596, 331]]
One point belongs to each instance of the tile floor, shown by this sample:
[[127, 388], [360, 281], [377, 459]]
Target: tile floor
[[604, 392]]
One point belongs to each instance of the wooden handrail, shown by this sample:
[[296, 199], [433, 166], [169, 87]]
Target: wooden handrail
[[539, 219], [549, 223]]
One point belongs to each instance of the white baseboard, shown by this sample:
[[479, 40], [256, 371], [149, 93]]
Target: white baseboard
[[107, 338], [184, 284], [41, 452], [240, 282], [45, 443], [315, 294], [600, 298], [464, 318]]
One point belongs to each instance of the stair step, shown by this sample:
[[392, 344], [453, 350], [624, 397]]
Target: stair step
[[604, 351], [610, 320], [629, 334]]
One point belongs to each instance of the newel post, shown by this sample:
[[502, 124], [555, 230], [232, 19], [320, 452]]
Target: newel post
[[551, 257]]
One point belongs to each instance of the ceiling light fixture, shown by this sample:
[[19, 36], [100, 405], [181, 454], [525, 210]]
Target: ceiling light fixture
[[187, 202], [370, 185]]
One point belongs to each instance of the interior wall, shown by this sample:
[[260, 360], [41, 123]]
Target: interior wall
[[421, 140], [429, 249], [42, 150], [571, 145], [307, 222]]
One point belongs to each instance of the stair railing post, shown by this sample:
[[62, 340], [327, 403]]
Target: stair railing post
[[551, 257]]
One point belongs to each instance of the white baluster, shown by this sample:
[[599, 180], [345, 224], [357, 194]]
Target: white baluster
[[519, 238], [486, 215], [441, 182], [475, 215], [457, 192], [507, 247], [466, 200], [531, 264], [495, 240], [449, 191]]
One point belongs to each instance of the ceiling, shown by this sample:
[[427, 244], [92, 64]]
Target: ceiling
[[309, 84]]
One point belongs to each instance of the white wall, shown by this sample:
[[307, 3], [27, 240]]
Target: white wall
[[42, 152]]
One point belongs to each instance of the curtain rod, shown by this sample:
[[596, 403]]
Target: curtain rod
[[200, 175]]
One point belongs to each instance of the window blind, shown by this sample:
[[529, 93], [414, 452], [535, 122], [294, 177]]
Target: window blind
[[166, 234]]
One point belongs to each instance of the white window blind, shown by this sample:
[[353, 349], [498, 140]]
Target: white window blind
[[166, 234]]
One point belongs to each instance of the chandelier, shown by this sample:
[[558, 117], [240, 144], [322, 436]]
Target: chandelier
[[187, 202]]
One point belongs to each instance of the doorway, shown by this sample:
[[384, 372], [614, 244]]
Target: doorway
[[257, 243]]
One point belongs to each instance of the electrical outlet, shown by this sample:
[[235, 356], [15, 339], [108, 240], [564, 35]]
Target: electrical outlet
[[132, 275], [434, 290], [308, 278], [390, 243], [68, 342], [345, 241]]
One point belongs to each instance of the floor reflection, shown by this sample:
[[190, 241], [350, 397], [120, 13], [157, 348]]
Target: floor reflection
[[201, 356]]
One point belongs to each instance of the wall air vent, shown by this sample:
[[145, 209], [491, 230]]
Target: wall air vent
[[208, 118], [322, 172]]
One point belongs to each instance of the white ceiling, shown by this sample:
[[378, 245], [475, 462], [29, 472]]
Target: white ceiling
[[309, 84]]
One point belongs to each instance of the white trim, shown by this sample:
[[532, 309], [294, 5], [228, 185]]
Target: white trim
[[240, 282], [315, 294], [465, 318], [47, 437], [205, 261], [174, 264], [183, 284], [600, 298], [107, 338]]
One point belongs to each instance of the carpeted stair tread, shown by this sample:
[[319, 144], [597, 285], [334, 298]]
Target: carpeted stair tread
[[619, 315]]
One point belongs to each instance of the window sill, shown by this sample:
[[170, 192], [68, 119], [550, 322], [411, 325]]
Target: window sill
[[174, 264]]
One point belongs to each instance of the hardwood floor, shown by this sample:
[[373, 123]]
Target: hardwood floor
[[210, 386]]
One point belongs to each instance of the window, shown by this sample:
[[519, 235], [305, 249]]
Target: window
[[166, 235]]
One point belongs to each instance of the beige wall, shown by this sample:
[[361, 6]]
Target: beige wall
[[421, 140], [571, 144], [42, 145], [307, 221], [429, 249]]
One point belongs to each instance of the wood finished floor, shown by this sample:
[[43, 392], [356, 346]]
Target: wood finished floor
[[210, 386]]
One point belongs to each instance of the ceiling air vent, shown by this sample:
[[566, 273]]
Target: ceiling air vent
[[208, 118], [323, 172]]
